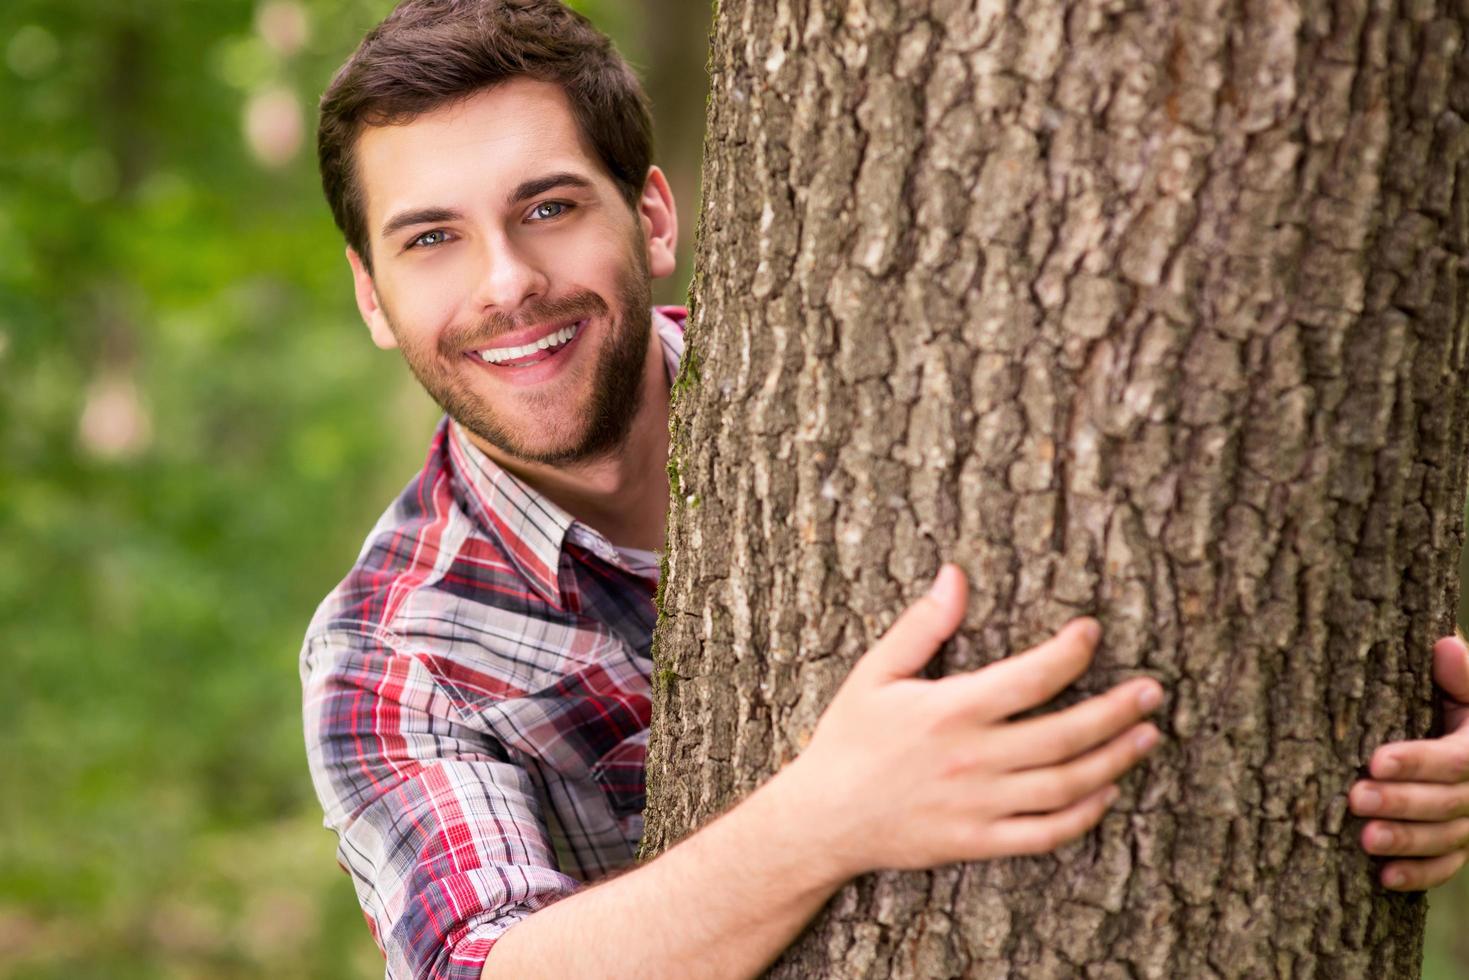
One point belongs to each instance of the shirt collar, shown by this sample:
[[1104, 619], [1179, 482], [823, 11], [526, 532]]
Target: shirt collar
[[531, 529]]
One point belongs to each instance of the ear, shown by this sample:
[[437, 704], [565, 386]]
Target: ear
[[659, 217], [368, 304]]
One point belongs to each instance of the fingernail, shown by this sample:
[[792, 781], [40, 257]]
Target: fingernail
[[1393, 878], [1389, 766], [1091, 630], [1369, 799], [1150, 697], [1146, 740], [1383, 838]]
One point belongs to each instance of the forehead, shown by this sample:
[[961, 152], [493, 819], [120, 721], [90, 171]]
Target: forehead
[[475, 149]]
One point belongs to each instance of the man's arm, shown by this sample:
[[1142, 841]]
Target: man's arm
[[902, 772], [440, 830], [723, 903]]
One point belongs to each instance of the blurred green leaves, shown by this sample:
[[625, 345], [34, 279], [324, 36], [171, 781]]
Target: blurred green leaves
[[196, 435]]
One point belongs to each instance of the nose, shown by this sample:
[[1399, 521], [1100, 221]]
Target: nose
[[508, 277]]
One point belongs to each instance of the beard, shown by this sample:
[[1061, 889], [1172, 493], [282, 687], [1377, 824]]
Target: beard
[[617, 375]]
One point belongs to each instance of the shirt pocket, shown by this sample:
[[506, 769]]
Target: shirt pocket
[[621, 775]]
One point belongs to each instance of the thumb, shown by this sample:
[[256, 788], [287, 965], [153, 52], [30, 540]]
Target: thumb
[[1451, 668], [922, 628]]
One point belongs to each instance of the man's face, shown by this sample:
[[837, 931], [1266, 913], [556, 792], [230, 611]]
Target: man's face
[[510, 271]]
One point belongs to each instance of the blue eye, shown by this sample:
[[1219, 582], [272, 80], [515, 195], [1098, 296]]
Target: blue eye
[[422, 241], [557, 209]]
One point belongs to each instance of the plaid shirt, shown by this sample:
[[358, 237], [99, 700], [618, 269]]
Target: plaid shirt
[[476, 701]]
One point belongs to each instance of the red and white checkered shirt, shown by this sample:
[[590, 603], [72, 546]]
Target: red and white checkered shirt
[[476, 701]]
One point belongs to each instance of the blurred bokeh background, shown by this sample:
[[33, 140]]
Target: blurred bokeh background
[[196, 435]]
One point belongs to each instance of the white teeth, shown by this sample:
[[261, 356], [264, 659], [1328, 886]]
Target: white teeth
[[498, 355]]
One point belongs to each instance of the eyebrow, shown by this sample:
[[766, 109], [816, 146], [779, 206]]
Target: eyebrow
[[524, 191], [418, 216], [540, 185]]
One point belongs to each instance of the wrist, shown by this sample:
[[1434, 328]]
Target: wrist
[[800, 825]]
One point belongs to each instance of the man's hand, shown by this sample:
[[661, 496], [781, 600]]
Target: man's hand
[[901, 772], [1420, 789], [906, 772]]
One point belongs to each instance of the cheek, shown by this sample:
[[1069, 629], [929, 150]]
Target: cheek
[[598, 256], [424, 306]]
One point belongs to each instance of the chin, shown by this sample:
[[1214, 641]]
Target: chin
[[528, 442]]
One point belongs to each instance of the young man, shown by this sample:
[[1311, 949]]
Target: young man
[[476, 689]]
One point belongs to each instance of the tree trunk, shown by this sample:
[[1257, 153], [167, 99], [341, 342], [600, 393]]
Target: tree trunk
[[1149, 311]]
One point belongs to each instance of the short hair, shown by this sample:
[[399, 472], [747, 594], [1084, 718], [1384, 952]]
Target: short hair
[[427, 54]]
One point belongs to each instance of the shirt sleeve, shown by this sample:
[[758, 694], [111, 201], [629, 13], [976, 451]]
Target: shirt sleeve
[[441, 832]]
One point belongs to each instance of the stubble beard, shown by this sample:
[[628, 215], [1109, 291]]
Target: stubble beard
[[617, 382]]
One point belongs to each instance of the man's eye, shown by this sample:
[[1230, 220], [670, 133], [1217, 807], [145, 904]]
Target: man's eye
[[427, 240], [549, 209]]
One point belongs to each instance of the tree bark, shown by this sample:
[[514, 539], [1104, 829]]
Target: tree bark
[[1151, 311]]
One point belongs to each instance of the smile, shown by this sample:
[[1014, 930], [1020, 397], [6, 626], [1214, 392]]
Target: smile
[[533, 352]]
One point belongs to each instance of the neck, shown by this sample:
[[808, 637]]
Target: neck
[[624, 494]]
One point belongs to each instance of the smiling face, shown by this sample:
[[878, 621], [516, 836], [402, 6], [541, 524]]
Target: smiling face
[[510, 271]]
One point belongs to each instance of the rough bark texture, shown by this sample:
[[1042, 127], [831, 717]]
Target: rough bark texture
[[1154, 311]]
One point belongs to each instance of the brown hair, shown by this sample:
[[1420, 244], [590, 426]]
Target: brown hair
[[429, 53]]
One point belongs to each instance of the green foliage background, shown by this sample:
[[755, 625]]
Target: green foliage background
[[156, 817], [196, 435]]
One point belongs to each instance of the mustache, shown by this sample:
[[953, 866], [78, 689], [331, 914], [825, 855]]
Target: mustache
[[578, 306]]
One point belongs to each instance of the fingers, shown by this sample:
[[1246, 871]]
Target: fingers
[[1430, 760], [1421, 875], [1066, 734], [1388, 837], [922, 628], [1026, 679], [1046, 832], [1055, 787], [1410, 801]]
